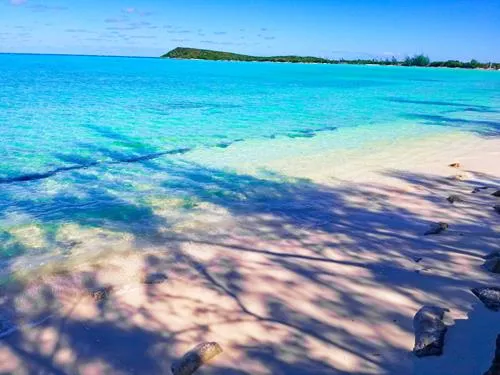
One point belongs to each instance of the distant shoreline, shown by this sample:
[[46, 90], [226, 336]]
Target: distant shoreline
[[185, 53], [332, 62], [315, 63]]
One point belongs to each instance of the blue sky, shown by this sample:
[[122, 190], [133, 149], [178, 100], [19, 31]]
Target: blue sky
[[443, 29]]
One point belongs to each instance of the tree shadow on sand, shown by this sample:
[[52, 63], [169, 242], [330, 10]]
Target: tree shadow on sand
[[289, 276]]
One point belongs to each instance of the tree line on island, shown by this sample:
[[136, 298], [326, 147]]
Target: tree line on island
[[417, 60]]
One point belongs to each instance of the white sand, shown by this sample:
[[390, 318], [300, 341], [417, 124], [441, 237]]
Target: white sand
[[321, 279]]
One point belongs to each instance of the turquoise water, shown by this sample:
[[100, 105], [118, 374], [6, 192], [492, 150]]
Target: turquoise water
[[89, 140]]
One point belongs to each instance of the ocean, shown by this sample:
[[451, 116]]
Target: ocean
[[93, 148]]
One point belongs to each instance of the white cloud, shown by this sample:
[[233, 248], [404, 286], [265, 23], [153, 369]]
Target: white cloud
[[17, 2], [132, 10]]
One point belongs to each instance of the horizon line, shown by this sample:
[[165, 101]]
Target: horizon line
[[161, 56], [76, 54]]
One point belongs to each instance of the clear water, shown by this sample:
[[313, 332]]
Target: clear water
[[89, 140]]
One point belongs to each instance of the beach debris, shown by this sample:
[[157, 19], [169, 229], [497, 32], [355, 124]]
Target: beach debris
[[436, 228], [417, 259], [100, 294], [489, 296], [195, 358], [497, 208], [479, 188], [496, 193], [155, 278], [454, 198], [454, 165], [429, 331], [495, 366]]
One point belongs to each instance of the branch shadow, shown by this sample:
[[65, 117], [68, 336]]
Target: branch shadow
[[290, 276]]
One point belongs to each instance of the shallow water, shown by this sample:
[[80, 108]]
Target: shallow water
[[92, 148]]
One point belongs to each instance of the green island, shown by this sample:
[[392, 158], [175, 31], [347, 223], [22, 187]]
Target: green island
[[185, 53]]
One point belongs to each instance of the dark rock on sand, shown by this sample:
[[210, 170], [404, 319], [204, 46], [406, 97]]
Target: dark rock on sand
[[495, 366], [496, 193], [478, 189], [195, 358], [100, 294], [454, 165], [454, 198], [429, 331], [489, 296], [492, 264], [436, 228], [155, 278]]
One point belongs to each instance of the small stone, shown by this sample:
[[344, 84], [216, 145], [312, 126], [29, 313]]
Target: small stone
[[478, 189], [496, 193], [101, 294], [454, 198], [155, 278], [429, 331], [195, 358], [454, 165], [417, 259], [436, 228], [495, 366], [489, 296], [492, 265]]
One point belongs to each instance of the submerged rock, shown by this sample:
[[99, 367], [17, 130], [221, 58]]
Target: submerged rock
[[497, 208], [454, 198], [436, 228], [495, 366], [489, 296], [429, 331], [155, 278], [496, 193], [195, 358]]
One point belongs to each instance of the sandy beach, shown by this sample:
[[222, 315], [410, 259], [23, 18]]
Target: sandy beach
[[313, 265]]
